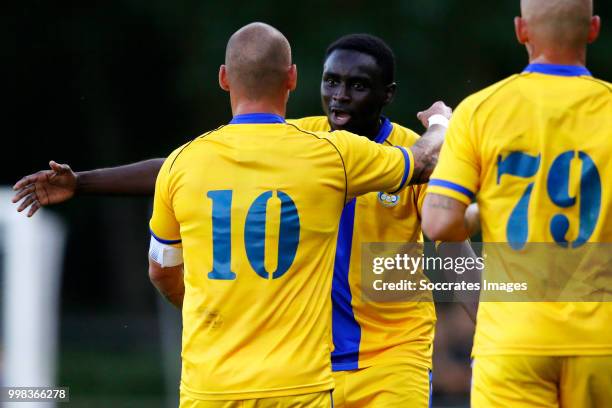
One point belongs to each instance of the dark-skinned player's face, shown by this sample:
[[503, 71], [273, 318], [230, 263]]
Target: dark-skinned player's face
[[353, 92]]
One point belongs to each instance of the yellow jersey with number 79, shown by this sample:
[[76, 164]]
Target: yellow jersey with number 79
[[255, 206], [534, 151]]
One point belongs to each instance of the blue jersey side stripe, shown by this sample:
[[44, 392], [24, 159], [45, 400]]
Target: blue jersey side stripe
[[345, 329]]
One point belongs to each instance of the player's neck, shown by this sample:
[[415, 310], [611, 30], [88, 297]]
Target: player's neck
[[369, 130], [559, 57], [242, 107]]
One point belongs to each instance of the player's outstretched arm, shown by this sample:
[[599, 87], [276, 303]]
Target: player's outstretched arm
[[427, 148], [132, 179], [60, 183], [45, 187]]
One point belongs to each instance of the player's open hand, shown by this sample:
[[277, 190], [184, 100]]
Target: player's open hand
[[45, 187], [438, 108]]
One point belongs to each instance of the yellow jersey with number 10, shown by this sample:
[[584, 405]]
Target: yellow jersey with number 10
[[255, 205], [534, 149]]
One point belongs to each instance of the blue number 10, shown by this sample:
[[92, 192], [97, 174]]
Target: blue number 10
[[523, 165], [254, 234]]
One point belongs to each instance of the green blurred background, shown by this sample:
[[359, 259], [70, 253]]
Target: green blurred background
[[106, 83]]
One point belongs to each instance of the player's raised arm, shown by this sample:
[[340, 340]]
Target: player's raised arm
[[427, 148], [60, 183], [371, 166], [453, 184]]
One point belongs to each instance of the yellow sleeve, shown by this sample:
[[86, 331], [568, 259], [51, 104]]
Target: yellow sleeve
[[457, 173], [163, 225], [370, 166]]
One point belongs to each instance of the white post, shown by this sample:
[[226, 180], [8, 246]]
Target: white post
[[32, 250]]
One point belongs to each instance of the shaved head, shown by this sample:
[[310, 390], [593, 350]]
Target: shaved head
[[561, 24], [257, 60]]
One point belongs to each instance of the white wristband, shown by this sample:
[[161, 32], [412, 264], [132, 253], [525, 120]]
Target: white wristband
[[438, 119]]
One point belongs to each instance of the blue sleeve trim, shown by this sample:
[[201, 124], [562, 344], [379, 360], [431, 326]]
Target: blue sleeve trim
[[406, 169], [165, 241], [452, 186]]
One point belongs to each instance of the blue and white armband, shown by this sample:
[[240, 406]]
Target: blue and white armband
[[165, 255]]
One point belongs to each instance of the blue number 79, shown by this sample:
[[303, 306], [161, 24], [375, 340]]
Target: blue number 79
[[522, 165]]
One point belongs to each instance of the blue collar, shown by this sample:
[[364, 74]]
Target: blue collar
[[252, 118], [561, 70], [385, 130]]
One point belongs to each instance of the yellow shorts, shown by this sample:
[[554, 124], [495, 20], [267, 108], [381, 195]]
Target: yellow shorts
[[541, 381], [314, 400], [383, 386]]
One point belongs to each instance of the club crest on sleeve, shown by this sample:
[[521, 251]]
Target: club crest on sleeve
[[388, 200]]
